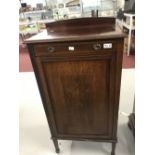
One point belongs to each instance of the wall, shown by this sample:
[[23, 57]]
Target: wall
[[120, 4], [128, 4]]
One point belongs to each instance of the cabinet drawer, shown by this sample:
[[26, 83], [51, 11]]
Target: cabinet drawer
[[47, 49]]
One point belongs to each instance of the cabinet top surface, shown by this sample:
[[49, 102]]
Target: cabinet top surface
[[45, 37], [78, 30]]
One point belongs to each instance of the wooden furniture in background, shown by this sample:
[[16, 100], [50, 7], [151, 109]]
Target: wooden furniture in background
[[78, 73]]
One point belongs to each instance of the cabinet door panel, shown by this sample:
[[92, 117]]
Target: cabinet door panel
[[81, 95]]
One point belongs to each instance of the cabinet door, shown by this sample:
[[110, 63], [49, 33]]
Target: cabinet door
[[81, 94]]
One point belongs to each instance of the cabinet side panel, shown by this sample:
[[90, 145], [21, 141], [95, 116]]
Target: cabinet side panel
[[118, 72], [42, 90]]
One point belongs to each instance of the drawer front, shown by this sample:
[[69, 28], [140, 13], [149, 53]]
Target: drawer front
[[49, 49]]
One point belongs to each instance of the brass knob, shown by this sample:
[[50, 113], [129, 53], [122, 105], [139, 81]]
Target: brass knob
[[51, 49], [97, 47]]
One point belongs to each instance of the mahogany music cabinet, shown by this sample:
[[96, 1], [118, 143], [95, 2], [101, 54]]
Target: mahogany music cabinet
[[77, 64]]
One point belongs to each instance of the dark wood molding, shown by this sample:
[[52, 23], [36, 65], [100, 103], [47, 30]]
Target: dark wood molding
[[82, 26]]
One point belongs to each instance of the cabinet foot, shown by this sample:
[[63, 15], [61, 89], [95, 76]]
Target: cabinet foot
[[57, 150], [55, 142], [113, 148]]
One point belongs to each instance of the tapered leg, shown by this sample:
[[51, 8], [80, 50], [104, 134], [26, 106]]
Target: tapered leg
[[55, 141], [113, 148]]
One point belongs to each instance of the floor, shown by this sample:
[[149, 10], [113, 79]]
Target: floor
[[34, 133]]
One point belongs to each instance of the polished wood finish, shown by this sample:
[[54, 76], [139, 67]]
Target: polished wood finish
[[82, 25], [74, 90], [80, 47], [79, 87]]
